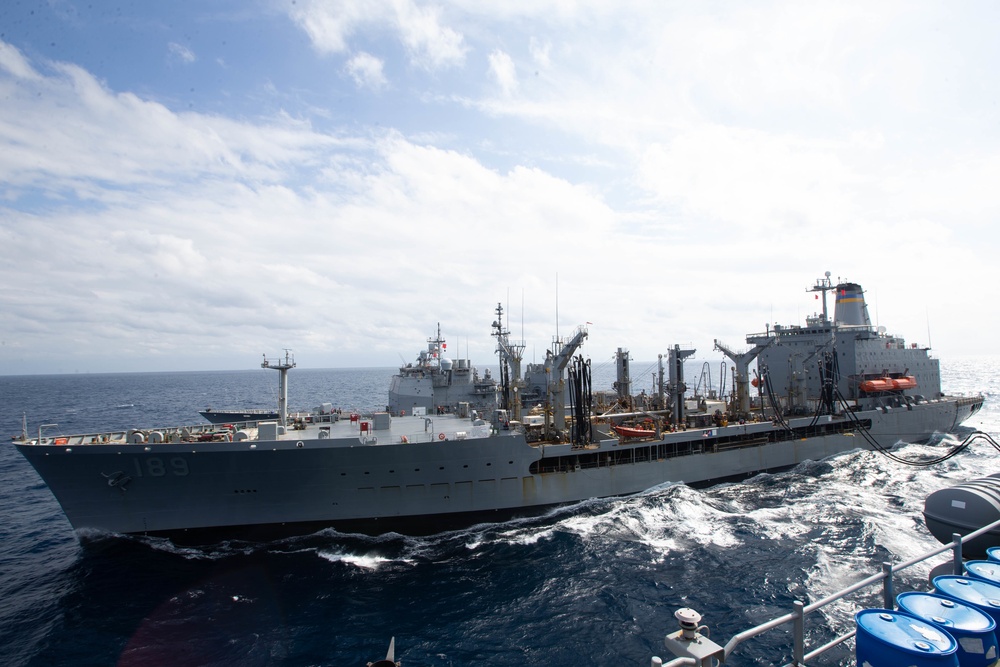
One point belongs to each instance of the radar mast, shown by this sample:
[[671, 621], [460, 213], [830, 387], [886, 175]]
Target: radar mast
[[282, 368], [823, 285]]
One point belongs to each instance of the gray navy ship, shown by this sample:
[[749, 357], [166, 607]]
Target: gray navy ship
[[453, 448], [438, 384]]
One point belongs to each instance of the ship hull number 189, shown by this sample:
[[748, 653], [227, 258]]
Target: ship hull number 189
[[154, 466]]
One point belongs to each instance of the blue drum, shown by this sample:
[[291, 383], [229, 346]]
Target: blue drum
[[887, 638], [976, 592], [993, 553], [972, 629], [987, 570]]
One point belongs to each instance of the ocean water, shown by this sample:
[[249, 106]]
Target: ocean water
[[594, 583]]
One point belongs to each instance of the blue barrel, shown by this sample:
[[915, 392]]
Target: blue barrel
[[979, 593], [972, 629], [993, 553], [986, 570], [887, 638]]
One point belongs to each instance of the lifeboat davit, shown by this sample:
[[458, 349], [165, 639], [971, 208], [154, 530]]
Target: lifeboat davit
[[889, 384]]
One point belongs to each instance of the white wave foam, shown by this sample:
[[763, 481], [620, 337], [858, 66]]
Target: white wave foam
[[363, 561], [98, 538], [661, 520]]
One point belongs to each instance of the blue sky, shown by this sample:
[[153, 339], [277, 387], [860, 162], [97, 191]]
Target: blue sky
[[188, 185]]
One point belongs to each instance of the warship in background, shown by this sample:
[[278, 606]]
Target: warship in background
[[436, 384], [231, 415], [454, 449]]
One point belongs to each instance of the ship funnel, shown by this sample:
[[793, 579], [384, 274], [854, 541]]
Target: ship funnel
[[850, 308]]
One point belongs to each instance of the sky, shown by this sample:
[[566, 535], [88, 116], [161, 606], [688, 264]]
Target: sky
[[190, 185]]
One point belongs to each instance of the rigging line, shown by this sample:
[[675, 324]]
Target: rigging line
[[828, 377], [776, 408], [977, 435], [652, 369], [817, 415], [885, 451], [604, 365]]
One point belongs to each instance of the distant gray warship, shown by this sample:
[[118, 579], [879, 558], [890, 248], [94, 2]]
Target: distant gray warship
[[464, 449], [439, 385], [230, 415]]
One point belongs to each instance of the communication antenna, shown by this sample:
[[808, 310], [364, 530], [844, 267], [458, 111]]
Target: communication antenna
[[557, 306], [508, 310], [928, 328], [876, 308]]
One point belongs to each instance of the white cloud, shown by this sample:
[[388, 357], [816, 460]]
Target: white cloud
[[694, 166], [540, 51], [502, 69], [181, 52], [200, 233], [14, 62], [92, 136], [430, 43], [366, 71], [331, 24], [753, 180]]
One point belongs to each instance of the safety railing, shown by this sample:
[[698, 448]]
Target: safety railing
[[800, 655]]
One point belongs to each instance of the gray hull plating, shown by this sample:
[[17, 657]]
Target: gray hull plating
[[405, 471]]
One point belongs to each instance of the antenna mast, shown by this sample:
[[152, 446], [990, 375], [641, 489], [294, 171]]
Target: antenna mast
[[282, 367], [823, 285], [557, 306], [511, 353]]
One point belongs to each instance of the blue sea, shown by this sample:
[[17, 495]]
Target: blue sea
[[595, 583]]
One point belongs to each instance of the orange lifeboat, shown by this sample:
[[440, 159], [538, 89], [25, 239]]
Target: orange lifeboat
[[889, 384], [885, 384], [632, 432]]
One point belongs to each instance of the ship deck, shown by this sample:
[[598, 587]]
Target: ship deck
[[346, 429], [353, 429]]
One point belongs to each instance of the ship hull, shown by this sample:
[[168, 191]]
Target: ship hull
[[301, 482]]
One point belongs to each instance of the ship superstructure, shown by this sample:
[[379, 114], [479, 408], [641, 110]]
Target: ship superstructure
[[812, 369]]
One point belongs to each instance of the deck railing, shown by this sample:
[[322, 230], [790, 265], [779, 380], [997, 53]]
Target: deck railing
[[800, 653]]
